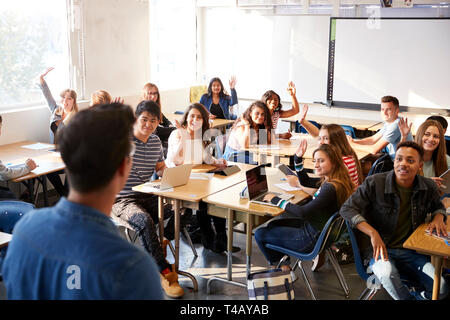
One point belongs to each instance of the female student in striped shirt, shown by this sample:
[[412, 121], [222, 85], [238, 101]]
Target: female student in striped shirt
[[272, 100], [334, 134]]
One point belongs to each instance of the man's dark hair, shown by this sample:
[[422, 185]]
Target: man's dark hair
[[94, 143], [411, 144], [394, 100], [150, 106], [441, 120]]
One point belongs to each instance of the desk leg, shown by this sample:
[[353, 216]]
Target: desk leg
[[292, 125], [437, 264], [177, 212], [249, 241], [230, 219], [161, 219], [44, 190]]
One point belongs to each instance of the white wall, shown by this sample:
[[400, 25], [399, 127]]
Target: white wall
[[117, 52]]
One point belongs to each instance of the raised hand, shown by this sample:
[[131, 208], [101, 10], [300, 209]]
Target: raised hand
[[404, 128], [232, 82], [118, 100], [301, 148], [302, 114], [291, 89], [41, 77]]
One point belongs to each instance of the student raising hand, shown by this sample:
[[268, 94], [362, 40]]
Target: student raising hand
[[301, 148]]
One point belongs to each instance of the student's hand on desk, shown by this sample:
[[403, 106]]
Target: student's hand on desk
[[301, 148], [438, 224], [211, 116], [293, 181], [286, 135], [31, 164], [221, 163], [349, 138], [268, 197]]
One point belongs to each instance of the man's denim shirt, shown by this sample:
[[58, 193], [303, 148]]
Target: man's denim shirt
[[376, 202], [71, 251]]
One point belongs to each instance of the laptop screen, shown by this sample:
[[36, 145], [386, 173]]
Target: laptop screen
[[256, 181]]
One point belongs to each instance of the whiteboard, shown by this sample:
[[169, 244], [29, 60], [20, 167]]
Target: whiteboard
[[265, 52], [405, 58]]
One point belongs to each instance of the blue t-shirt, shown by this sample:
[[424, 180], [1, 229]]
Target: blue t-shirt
[[71, 251], [391, 133]]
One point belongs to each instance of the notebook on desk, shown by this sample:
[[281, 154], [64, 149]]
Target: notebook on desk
[[257, 186], [173, 177]]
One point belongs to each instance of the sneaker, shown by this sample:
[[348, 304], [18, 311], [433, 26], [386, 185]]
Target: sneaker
[[318, 261], [170, 285]]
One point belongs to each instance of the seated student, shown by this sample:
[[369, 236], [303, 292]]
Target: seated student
[[334, 134], [254, 124], [140, 210], [300, 225], [12, 173], [60, 117], [165, 127], [217, 101], [388, 136], [186, 145], [273, 102], [388, 207], [430, 135], [73, 250]]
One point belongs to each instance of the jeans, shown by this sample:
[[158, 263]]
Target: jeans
[[302, 239], [404, 264]]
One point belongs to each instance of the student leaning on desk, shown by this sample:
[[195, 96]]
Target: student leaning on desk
[[73, 250], [300, 225], [254, 124], [11, 173], [186, 145]]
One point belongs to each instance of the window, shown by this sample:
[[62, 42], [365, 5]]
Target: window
[[33, 37]]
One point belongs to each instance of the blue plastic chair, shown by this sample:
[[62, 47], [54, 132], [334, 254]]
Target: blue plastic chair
[[301, 129], [382, 164], [179, 112], [11, 211], [349, 130], [330, 233], [368, 293]]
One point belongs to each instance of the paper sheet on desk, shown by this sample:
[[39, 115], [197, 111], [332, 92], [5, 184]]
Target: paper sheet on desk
[[150, 188], [287, 187], [38, 146], [201, 175], [267, 147]]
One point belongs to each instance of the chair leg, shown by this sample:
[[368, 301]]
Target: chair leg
[[338, 271], [367, 294], [188, 237], [282, 260], [305, 278]]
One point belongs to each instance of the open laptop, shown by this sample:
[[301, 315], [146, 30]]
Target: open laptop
[[257, 186], [173, 177]]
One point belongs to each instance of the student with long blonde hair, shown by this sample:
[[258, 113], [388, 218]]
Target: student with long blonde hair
[[300, 225]]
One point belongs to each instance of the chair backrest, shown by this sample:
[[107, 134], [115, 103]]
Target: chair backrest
[[10, 212], [359, 264], [382, 164], [220, 143], [301, 129], [196, 92], [349, 130]]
